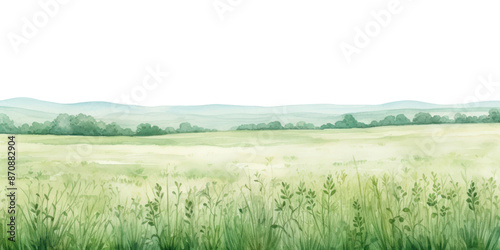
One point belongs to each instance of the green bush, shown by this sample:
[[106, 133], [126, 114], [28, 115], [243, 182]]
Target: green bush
[[87, 125]]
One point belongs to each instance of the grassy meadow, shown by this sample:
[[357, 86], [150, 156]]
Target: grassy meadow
[[409, 187]]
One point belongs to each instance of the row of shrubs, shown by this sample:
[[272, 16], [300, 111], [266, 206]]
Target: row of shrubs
[[349, 121], [81, 124]]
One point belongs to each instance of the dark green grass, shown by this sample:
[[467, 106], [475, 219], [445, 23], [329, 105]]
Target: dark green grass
[[342, 210]]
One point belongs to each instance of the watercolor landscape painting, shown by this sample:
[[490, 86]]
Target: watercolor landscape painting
[[398, 182], [249, 125]]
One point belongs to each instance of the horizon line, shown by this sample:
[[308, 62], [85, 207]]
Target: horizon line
[[240, 105]]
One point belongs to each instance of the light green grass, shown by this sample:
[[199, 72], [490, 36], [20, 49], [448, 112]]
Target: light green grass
[[413, 187]]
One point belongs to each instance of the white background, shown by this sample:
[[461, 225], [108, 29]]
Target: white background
[[262, 52]]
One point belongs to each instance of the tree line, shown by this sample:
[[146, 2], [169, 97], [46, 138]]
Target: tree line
[[82, 124], [349, 121]]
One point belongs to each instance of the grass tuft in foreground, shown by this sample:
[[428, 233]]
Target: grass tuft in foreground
[[335, 211]]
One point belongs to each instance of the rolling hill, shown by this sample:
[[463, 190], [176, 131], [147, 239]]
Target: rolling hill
[[225, 117]]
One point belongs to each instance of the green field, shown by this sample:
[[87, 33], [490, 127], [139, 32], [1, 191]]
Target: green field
[[411, 187]]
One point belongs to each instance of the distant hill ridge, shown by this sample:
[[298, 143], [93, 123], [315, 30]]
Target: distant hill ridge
[[220, 116]]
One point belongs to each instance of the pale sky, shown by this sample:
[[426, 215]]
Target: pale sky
[[262, 52]]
